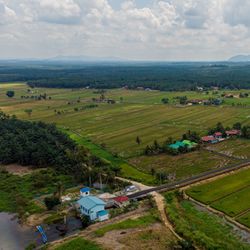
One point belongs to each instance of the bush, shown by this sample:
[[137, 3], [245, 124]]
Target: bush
[[51, 202]]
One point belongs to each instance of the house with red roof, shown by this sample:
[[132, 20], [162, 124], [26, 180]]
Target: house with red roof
[[121, 201], [231, 133], [209, 139]]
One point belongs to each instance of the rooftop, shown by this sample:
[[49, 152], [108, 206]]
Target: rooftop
[[90, 201]]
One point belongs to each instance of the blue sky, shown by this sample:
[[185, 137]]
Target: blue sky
[[171, 30]]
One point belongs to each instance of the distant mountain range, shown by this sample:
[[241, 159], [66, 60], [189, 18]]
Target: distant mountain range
[[85, 59], [240, 58]]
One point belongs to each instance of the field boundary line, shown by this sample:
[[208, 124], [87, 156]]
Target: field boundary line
[[242, 213], [217, 212], [225, 196]]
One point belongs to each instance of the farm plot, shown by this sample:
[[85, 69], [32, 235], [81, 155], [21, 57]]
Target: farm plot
[[229, 195], [234, 147], [181, 166]]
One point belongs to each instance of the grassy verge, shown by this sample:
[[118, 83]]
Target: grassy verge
[[143, 221], [128, 171], [79, 244], [205, 230]]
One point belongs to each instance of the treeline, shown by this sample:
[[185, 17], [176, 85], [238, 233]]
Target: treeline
[[160, 76], [156, 148], [43, 145]]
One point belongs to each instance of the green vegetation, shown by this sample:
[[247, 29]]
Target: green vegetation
[[127, 171], [236, 147], [212, 191], [244, 219], [111, 131], [17, 193], [235, 203], [143, 221], [205, 230], [229, 194], [181, 166], [79, 244]]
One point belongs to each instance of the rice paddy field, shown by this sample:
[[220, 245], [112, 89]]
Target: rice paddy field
[[234, 147], [136, 113], [229, 195]]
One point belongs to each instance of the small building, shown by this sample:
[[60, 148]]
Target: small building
[[234, 132], [189, 144], [209, 139], [121, 201], [85, 191], [218, 135], [93, 207], [195, 102]]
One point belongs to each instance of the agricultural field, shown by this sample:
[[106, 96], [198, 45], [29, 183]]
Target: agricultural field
[[229, 194], [110, 130], [205, 230], [183, 166], [234, 147]]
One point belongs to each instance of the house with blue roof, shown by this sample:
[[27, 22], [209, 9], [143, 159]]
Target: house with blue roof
[[85, 191], [93, 207]]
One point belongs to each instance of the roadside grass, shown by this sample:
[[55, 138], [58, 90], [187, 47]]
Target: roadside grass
[[78, 244], [140, 222], [206, 231], [183, 166], [209, 192], [244, 219]]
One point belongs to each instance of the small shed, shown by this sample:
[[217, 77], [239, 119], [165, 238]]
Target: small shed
[[85, 191], [121, 201]]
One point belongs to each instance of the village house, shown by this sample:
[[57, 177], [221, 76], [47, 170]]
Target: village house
[[232, 133], [209, 139], [195, 102], [218, 135], [121, 201], [93, 207]]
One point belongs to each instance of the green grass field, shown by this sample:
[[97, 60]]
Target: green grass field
[[140, 113], [184, 165], [206, 230], [229, 194]]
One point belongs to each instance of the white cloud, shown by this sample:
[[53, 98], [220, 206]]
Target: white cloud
[[164, 29]]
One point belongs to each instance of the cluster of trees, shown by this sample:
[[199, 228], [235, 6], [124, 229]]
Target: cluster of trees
[[37, 97], [245, 130], [157, 148], [42, 145], [161, 76]]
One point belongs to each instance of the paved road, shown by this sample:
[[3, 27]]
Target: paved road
[[191, 180]]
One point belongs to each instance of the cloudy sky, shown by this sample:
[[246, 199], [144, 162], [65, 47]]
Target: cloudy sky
[[131, 29]]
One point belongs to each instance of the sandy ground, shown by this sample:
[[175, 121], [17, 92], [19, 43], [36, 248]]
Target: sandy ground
[[20, 170]]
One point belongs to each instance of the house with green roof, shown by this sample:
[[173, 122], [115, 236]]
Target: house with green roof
[[184, 143]]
